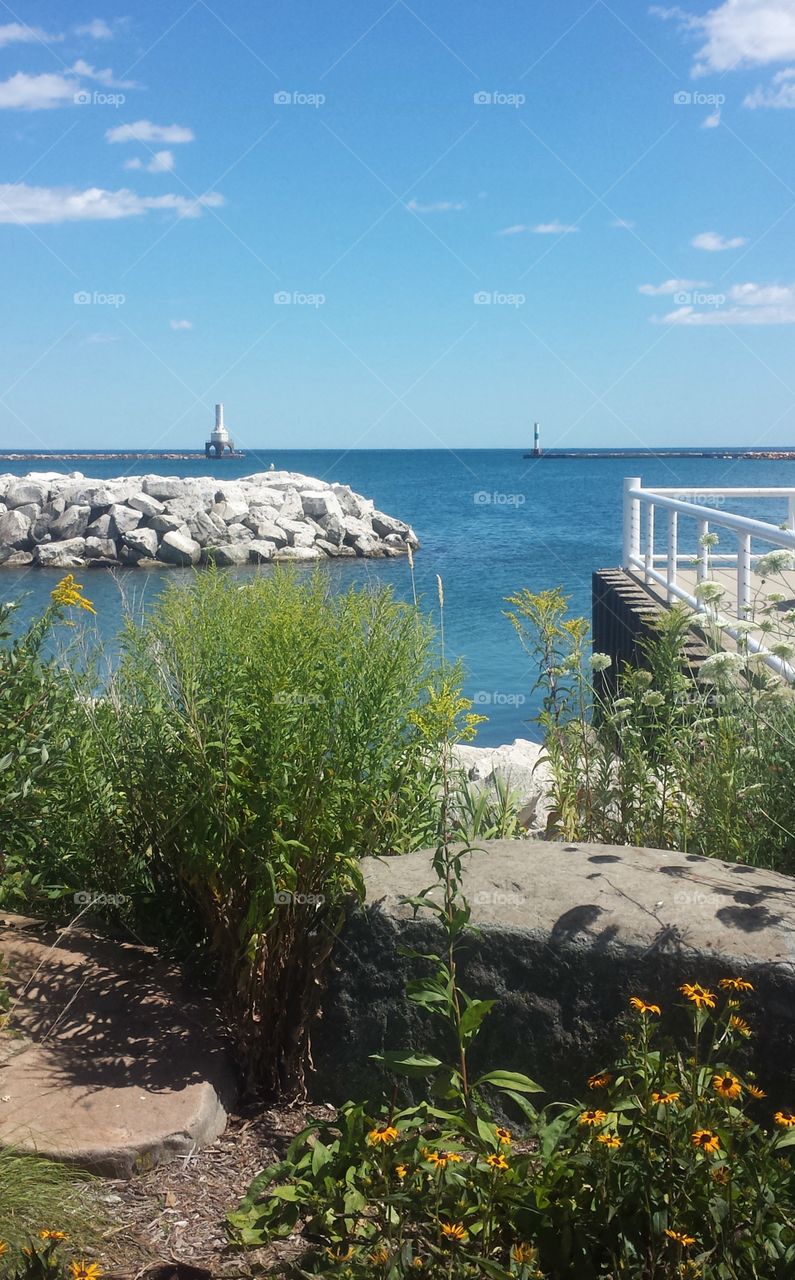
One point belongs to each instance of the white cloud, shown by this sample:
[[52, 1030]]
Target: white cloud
[[161, 162], [180, 324], [540, 229], [145, 131], [436, 206], [21, 33], [712, 121], [34, 206], [36, 93], [739, 33], [97, 29], [711, 242], [751, 304], [102, 76], [780, 93], [670, 287]]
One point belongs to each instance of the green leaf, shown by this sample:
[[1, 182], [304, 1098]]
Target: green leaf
[[473, 1015], [510, 1080], [407, 1064]]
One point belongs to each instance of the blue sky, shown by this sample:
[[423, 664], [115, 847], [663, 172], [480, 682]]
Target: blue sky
[[397, 224]]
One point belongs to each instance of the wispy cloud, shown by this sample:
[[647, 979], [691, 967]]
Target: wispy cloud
[[670, 287], [780, 94], [747, 304], [180, 324], [102, 76], [145, 131], [712, 242], [97, 29], [540, 229], [436, 206], [623, 224], [21, 33], [712, 121], [37, 93], [161, 162], [739, 33], [20, 203]]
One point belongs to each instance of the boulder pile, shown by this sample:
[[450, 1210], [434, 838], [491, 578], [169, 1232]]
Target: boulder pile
[[68, 521]]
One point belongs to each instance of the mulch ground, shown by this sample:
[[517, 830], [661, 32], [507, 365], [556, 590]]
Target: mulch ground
[[175, 1213]]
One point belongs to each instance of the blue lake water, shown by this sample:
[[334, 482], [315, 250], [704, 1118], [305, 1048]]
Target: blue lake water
[[490, 523]]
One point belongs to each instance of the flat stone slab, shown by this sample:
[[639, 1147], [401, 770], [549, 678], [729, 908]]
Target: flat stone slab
[[564, 934], [109, 1063]]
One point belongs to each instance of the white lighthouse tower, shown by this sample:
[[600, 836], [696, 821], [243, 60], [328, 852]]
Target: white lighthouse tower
[[220, 441]]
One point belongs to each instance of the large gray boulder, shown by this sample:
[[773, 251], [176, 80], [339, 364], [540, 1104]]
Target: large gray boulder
[[563, 935], [14, 529], [143, 542], [226, 556], [146, 504], [72, 524], [521, 766], [97, 549], [20, 492], [178, 548], [123, 520], [260, 551], [61, 555]]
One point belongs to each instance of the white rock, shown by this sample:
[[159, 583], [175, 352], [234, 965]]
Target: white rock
[[146, 504], [100, 549], [61, 555], [234, 554], [14, 529], [72, 524], [144, 541], [260, 551], [178, 548], [123, 519], [21, 491], [297, 553]]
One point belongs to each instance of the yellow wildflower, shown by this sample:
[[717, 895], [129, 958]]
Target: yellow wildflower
[[497, 1162], [592, 1118], [523, 1253], [785, 1119], [698, 995], [383, 1134], [680, 1238], [69, 594], [665, 1099], [609, 1140], [85, 1270], [727, 1085], [735, 984], [640, 1006], [756, 1092], [504, 1135], [707, 1141], [600, 1080], [739, 1024], [453, 1231]]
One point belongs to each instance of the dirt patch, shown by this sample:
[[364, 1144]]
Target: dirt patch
[[176, 1212]]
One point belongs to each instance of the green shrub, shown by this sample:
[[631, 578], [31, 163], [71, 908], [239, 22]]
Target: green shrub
[[656, 757], [268, 736]]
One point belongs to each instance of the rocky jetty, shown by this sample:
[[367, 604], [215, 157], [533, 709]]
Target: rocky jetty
[[59, 521]]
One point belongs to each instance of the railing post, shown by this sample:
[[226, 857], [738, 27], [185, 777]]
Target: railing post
[[702, 572], [631, 523], [791, 511], [743, 574], [649, 539], [673, 551]]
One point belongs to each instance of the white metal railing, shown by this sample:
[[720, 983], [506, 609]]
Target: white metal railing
[[662, 568]]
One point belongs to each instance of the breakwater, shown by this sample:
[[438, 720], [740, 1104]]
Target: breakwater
[[61, 521]]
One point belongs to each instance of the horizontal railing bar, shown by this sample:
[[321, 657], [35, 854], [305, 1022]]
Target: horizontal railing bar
[[725, 520], [717, 491]]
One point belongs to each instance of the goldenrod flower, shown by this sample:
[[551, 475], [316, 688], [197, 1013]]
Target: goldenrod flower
[[504, 1135], [69, 594], [640, 1006], [756, 1092], [592, 1118], [698, 995], [497, 1162], [523, 1253], [785, 1119], [739, 1024], [453, 1231], [383, 1134], [707, 1141], [52, 1235], [665, 1099], [85, 1270], [600, 1080], [735, 984], [680, 1238], [610, 1140], [727, 1085]]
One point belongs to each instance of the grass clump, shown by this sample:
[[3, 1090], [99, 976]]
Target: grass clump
[[44, 1207]]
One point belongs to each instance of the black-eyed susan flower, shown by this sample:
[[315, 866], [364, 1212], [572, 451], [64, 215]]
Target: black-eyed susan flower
[[706, 1141], [454, 1231], [609, 1140], [599, 1081], [382, 1135], [504, 1135], [343, 1253], [720, 1174], [698, 995], [85, 1270], [46, 1234], [785, 1119], [442, 1158], [3, 1247], [379, 1257], [401, 1171], [727, 1085], [591, 1119], [756, 1092], [640, 1006], [497, 1162], [665, 1099], [523, 1253], [739, 1024], [680, 1238], [735, 984]]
